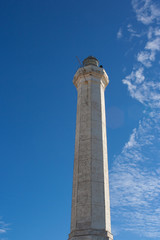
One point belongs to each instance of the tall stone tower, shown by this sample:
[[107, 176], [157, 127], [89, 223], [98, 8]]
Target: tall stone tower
[[90, 218]]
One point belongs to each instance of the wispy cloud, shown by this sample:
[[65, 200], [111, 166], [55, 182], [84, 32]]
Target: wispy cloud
[[146, 11], [3, 228], [135, 176], [146, 58], [135, 181], [153, 45], [119, 33], [133, 32]]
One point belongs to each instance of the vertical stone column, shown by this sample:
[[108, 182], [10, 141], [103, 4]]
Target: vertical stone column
[[90, 218]]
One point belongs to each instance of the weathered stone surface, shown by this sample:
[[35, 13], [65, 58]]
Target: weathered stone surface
[[92, 234], [90, 218]]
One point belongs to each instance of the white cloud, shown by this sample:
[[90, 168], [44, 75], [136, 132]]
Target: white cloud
[[146, 11], [153, 45], [119, 33], [135, 188], [132, 31], [136, 76], [150, 32], [146, 92], [3, 227], [132, 142], [136, 86], [157, 32], [139, 77], [146, 58], [135, 176]]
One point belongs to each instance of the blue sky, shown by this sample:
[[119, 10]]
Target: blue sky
[[39, 44]]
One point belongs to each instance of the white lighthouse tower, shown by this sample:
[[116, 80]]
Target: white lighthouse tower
[[90, 218]]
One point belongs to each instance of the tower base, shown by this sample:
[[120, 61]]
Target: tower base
[[90, 234]]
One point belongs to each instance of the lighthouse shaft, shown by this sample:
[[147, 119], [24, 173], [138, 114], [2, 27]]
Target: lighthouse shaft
[[90, 197]]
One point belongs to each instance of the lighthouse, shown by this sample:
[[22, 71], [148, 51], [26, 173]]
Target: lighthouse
[[90, 217]]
